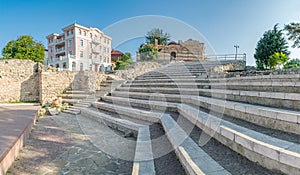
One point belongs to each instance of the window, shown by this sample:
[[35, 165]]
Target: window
[[70, 52], [91, 55], [51, 58], [68, 33], [95, 56], [91, 45], [100, 48], [79, 32], [81, 42], [72, 31], [84, 33], [51, 50], [91, 67], [81, 66], [91, 35], [70, 43], [81, 54]]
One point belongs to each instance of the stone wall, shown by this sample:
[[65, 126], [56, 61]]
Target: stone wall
[[54, 83], [136, 69], [19, 81], [26, 81]]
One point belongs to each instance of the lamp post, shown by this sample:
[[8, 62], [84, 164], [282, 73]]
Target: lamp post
[[236, 50]]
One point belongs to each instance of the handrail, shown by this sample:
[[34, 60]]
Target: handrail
[[227, 57]]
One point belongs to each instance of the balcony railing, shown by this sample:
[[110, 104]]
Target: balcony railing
[[62, 59], [96, 40], [59, 50], [95, 50], [60, 40]]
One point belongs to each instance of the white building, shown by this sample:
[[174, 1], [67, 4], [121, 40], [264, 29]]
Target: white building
[[79, 48]]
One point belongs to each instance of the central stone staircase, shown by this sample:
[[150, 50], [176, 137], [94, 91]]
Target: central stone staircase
[[241, 125]]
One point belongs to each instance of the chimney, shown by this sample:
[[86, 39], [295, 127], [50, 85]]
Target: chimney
[[180, 42], [155, 43]]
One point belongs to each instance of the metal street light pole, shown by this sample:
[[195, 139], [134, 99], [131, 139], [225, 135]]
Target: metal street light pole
[[236, 50]]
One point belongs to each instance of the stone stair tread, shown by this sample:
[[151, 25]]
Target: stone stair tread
[[75, 92], [279, 146], [105, 117], [188, 151], [73, 95], [72, 101], [185, 107], [224, 103], [193, 153], [193, 88], [214, 83], [138, 114]]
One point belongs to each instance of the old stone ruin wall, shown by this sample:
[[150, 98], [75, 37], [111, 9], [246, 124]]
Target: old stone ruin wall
[[19, 81], [26, 81]]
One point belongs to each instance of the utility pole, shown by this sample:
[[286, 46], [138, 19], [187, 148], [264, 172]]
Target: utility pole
[[236, 50]]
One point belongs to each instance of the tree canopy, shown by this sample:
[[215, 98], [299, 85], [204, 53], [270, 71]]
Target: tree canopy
[[293, 30], [24, 48], [148, 53], [271, 42], [125, 62], [293, 63], [158, 34]]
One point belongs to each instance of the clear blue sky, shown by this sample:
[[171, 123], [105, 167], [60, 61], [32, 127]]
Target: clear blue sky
[[223, 23]]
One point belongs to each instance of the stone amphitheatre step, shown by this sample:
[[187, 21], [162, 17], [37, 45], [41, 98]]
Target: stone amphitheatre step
[[143, 158], [176, 72], [268, 151], [284, 155], [73, 111], [82, 105], [71, 101], [275, 118], [166, 77], [143, 163], [191, 156], [193, 159], [138, 114], [75, 92], [247, 86], [73, 96], [116, 123], [268, 98]]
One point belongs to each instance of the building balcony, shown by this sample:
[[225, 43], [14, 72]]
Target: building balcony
[[62, 59], [96, 40], [95, 50], [60, 41], [60, 50]]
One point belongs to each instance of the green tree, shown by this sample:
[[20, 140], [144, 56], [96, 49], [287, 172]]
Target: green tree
[[148, 53], [277, 59], [24, 48], [272, 41], [293, 30], [125, 62], [293, 63], [158, 34]]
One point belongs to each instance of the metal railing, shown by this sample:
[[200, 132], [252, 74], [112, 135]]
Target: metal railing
[[60, 40], [227, 57]]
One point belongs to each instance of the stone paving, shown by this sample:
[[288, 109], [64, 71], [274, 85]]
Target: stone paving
[[57, 145], [15, 123]]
